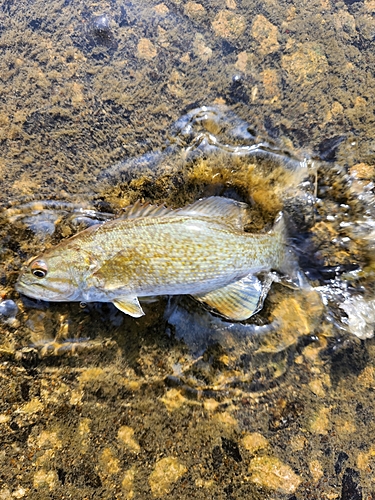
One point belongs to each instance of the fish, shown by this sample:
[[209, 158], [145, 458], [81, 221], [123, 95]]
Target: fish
[[199, 250]]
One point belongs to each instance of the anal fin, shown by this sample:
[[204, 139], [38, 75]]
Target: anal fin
[[129, 305], [238, 300]]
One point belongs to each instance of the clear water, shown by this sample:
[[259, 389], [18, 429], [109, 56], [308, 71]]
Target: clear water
[[106, 104]]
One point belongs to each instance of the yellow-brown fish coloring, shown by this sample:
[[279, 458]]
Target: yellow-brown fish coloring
[[200, 250]]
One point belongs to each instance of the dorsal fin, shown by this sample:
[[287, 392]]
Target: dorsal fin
[[229, 211], [226, 210], [146, 210]]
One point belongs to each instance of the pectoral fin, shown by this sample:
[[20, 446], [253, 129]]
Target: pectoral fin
[[129, 305], [237, 301]]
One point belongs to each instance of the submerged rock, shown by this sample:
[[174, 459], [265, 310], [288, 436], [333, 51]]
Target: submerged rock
[[271, 473], [361, 316], [8, 309], [167, 471]]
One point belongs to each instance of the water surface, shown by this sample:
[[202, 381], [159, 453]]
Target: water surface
[[269, 103]]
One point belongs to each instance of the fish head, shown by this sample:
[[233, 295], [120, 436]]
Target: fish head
[[53, 276]]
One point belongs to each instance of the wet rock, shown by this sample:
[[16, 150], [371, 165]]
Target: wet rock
[[284, 414], [167, 471], [146, 49], [195, 10], [128, 482], [231, 449], [100, 30], [306, 65], [320, 421], [126, 436], [328, 148], [266, 34], [341, 458], [351, 490], [254, 442], [316, 470], [8, 308], [271, 473], [229, 25]]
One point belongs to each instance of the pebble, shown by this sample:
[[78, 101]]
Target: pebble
[[307, 65], [320, 422], [270, 78], [128, 483], [173, 399], [167, 471], [146, 49], [254, 442], [266, 34], [201, 50], [362, 171], [316, 386], [109, 463], [316, 470], [8, 308], [126, 436], [242, 60], [271, 473], [194, 10], [43, 478], [161, 9], [229, 25]]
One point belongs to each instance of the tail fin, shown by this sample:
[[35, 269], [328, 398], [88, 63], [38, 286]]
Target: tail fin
[[288, 262]]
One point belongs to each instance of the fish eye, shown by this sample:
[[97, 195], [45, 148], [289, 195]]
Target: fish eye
[[39, 269]]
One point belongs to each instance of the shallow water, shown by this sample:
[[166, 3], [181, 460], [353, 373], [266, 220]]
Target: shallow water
[[269, 103]]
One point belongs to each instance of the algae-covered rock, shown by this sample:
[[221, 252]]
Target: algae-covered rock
[[271, 473], [166, 473], [254, 442]]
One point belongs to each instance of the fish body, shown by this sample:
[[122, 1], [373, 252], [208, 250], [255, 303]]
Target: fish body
[[200, 250]]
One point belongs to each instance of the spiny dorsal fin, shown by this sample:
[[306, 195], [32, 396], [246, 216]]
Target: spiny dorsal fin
[[228, 211], [139, 210]]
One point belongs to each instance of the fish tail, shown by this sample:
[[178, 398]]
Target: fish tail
[[287, 260]]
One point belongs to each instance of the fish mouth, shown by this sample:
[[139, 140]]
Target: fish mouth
[[42, 293]]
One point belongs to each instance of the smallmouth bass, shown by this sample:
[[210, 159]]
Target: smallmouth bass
[[200, 250]]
